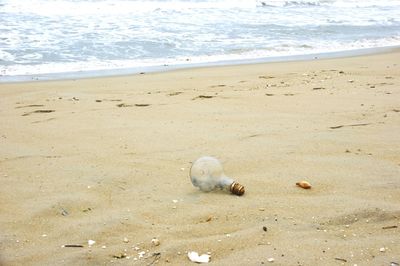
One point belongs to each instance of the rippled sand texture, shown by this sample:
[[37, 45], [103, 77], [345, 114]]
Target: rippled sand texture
[[107, 160]]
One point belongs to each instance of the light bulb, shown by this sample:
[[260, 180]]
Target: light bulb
[[207, 174]]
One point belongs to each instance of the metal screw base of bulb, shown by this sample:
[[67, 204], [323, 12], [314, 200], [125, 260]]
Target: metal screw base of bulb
[[236, 189]]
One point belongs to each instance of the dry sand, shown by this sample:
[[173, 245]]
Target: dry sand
[[108, 159]]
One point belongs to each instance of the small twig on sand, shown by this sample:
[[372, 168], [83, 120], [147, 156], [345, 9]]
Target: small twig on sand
[[353, 125], [341, 259], [203, 97], [390, 227], [38, 111], [72, 246]]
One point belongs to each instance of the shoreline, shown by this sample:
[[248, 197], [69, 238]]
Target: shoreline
[[92, 170], [166, 68]]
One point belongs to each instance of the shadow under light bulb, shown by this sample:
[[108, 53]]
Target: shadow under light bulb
[[207, 174]]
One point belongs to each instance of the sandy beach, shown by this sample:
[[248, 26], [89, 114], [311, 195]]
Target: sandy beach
[[108, 159]]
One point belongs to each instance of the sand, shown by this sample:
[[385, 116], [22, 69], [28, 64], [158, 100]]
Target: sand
[[107, 160]]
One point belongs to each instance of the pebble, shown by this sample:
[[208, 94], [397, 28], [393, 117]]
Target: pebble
[[126, 240], [91, 242], [155, 242], [382, 249], [271, 259]]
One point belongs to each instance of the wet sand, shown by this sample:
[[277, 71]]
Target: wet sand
[[107, 160]]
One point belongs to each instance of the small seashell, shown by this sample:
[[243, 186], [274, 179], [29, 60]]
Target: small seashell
[[194, 257], [382, 249], [91, 242], [271, 260], [304, 184], [155, 242], [126, 240]]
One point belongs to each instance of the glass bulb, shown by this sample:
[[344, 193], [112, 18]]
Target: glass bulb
[[208, 174]]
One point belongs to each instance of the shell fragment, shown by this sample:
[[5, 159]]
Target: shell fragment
[[194, 257]]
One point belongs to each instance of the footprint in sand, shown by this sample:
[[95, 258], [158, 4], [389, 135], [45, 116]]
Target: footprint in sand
[[372, 215]]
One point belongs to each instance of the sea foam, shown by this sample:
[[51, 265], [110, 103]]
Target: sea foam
[[40, 37]]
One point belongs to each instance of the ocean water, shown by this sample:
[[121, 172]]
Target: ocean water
[[47, 37]]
